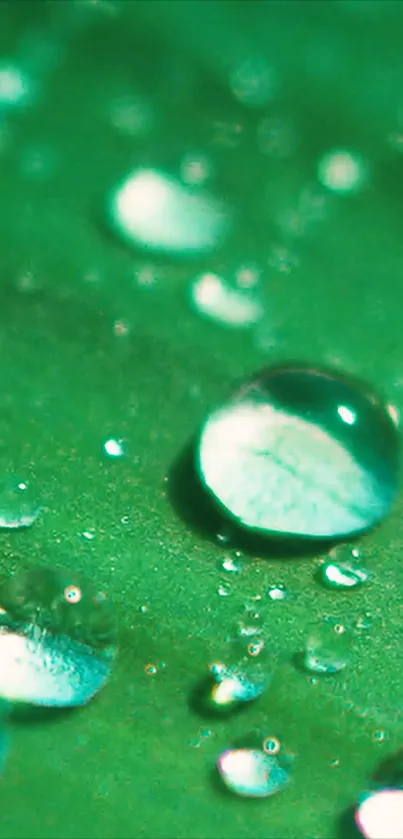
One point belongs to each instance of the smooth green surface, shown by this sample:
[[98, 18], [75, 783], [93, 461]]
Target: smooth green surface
[[128, 765]]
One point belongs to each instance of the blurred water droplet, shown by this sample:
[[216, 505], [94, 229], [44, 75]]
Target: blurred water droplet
[[225, 535], [342, 171], [281, 457], [277, 137], [282, 259], [327, 649], [277, 592], [57, 639], [19, 505], [228, 564], [254, 82], [252, 773], [227, 134], [15, 87], [342, 570], [114, 448], [224, 589], [150, 669], [89, 534], [247, 276], [121, 328], [380, 814], [196, 168], [132, 115], [152, 210], [213, 298]]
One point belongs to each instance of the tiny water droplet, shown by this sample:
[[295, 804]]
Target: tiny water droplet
[[379, 736], [230, 565], [271, 745], [252, 773], [342, 171], [224, 589], [215, 299], [89, 535], [283, 458], [150, 669], [19, 506], [114, 448], [277, 592]]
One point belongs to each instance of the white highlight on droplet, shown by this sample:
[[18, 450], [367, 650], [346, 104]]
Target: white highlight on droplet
[[14, 85], [342, 171], [214, 299], [381, 814], [113, 448]]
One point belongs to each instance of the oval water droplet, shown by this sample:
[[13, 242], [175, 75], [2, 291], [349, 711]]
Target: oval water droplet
[[301, 452], [213, 298], [252, 773], [19, 506], [152, 210], [57, 639], [342, 570], [327, 649]]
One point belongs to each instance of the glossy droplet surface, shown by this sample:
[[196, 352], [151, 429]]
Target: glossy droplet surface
[[57, 639], [252, 773], [327, 648], [343, 569], [301, 452], [153, 210], [19, 506], [380, 814]]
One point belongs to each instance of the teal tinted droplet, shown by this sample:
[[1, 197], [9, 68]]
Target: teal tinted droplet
[[19, 506], [342, 575], [327, 650], [252, 773], [57, 638], [301, 452]]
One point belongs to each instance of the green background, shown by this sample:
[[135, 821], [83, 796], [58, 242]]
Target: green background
[[133, 763]]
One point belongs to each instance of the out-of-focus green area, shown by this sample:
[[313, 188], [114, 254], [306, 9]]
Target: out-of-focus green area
[[102, 341]]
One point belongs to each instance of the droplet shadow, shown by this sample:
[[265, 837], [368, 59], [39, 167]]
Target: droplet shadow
[[27, 715], [197, 510], [346, 827], [201, 703]]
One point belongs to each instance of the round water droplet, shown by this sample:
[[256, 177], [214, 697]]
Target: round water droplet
[[342, 570], [114, 448], [271, 745], [342, 171], [277, 592], [380, 814], [150, 670], [224, 589], [153, 210], [327, 649], [301, 452], [252, 773], [214, 299], [57, 639], [254, 82], [230, 565], [19, 506]]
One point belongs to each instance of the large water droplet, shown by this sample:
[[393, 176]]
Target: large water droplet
[[57, 639], [252, 773], [19, 506], [327, 649], [153, 210], [301, 452], [380, 814]]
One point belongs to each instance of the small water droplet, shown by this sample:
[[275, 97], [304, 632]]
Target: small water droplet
[[379, 736], [342, 570], [121, 328], [224, 589], [19, 506], [271, 745], [15, 87], [380, 814], [150, 669], [213, 298], [230, 565], [153, 210], [254, 82], [342, 171], [327, 648], [57, 639], [252, 773], [282, 458], [114, 448], [277, 592], [196, 168], [89, 534]]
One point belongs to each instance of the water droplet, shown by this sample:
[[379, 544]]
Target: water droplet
[[132, 115], [195, 169], [89, 534], [379, 736], [121, 328], [114, 448], [230, 565], [342, 571], [150, 670], [277, 137], [218, 301], [252, 773], [282, 457], [153, 210], [19, 506], [224, 589], [277, 592], [327, 649], [253, 82], [243, 681], [57, 639], [271, 745], [282, 259], [15, 86], [225, 535], [380, 814], [342, 171]]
